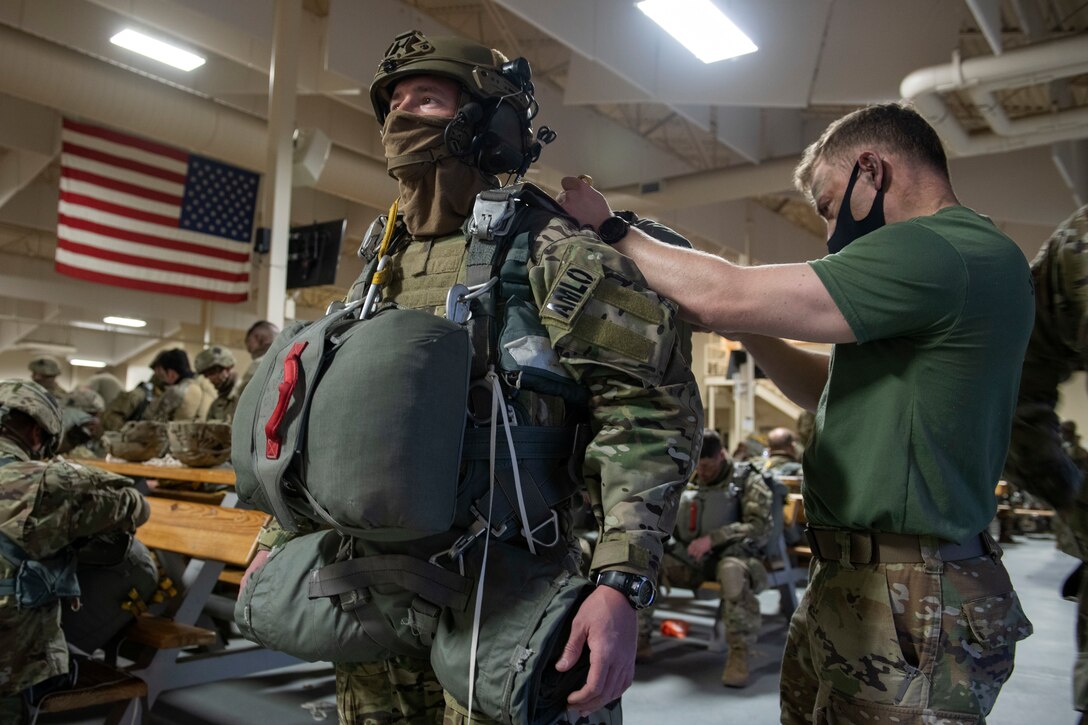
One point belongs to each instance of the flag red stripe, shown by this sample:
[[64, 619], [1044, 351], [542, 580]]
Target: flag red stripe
[[138, 166], [151, 262], [126, 140], [140, 284], [79, 175], [119, 209], [137, 237]]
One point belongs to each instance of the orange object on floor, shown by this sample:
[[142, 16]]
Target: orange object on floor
[[675, 628]]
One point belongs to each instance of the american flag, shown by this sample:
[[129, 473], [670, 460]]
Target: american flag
[[139, 214]]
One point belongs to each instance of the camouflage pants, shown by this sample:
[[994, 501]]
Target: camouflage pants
[[740, 578], [401, 691], [893, 643], [405, 691]]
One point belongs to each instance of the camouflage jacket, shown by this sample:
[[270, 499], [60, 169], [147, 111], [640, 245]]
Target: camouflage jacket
[[186, 400], [46, 506], [222, 408], [1058, 346], [128, 406], [747, 536], [617, 339]]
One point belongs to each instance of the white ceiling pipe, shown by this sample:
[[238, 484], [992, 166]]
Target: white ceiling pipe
[[37, 70], [991, 109], [1021, 67]]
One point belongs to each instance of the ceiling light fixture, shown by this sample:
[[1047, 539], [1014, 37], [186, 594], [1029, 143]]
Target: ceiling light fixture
[[700, 27], [124, 321], [81, 363], [156, 49]]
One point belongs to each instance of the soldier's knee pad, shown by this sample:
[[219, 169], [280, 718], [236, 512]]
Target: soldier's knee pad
[[733, 577]]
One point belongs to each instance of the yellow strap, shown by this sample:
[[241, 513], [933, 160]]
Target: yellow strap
[[387, 238]]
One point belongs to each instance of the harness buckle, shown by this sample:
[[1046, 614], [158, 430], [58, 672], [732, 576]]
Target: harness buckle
[[492, 218]]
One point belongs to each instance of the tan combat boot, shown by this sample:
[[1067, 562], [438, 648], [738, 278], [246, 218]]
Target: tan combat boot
[[735, 673]]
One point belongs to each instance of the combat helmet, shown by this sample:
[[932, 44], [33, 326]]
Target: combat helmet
[[138, 440], [32, 399], [199, 444], [86, 400], [493, 128], [212, 357]]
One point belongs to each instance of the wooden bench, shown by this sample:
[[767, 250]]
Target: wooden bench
[[98, 684], [207, 538]]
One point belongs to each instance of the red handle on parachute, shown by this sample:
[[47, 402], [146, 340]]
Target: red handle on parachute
[[287, 387], [693, 517]]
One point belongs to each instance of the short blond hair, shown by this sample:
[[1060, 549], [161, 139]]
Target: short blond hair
[[893, 127]]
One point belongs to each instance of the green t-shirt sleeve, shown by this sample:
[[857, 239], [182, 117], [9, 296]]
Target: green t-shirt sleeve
[[900, 280]]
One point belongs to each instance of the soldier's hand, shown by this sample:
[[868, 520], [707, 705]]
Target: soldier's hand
[[583, 202], [258, 561], [699, 548], [606, 623]]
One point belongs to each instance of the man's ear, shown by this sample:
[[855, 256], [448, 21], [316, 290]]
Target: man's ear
[[873, 167]]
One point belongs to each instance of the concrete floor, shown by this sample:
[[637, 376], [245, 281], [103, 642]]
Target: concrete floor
[[681, 684]]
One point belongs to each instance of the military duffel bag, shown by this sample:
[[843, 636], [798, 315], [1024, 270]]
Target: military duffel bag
[[358, 424]]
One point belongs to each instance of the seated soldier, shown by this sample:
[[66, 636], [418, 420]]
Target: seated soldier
[[721, 535], [216, 364], [186, 397], [44, 370], [46, 507], [132, 404], [81, 412]]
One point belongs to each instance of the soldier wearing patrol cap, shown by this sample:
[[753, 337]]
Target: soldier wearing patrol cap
[[583, 340], [35, 494], [44, 370], [216, 364]]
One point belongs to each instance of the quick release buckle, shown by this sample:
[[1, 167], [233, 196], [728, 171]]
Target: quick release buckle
[[491, 218]]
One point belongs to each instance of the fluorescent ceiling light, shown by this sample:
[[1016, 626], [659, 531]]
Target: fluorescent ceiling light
[[157, 49], [124, 321], [80, 363], [700, 27]]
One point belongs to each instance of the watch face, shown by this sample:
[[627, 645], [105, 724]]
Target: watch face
[[644, 593], [612, 229]]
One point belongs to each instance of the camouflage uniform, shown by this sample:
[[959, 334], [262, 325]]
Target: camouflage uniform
[[1059, 345], [222, 408], [44, 508], [635, 464], [897, 638], [131, 405], [189, 399], [735, 560]]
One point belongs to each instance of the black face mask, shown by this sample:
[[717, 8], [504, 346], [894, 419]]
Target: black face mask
[[847, 228]]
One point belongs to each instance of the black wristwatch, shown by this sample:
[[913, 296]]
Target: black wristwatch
[[639, 590], [613, 229]]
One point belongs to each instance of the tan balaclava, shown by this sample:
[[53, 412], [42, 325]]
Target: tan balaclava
[[437, 190]]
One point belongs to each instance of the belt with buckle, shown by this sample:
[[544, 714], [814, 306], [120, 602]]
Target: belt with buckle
[[881, 548]]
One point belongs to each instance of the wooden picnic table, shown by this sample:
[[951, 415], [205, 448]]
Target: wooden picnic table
[[218, 475]]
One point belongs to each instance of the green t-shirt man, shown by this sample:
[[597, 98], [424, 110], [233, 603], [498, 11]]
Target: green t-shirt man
[[913, 426]]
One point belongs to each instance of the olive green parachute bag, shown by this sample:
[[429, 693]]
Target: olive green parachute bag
[[357, 423]]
